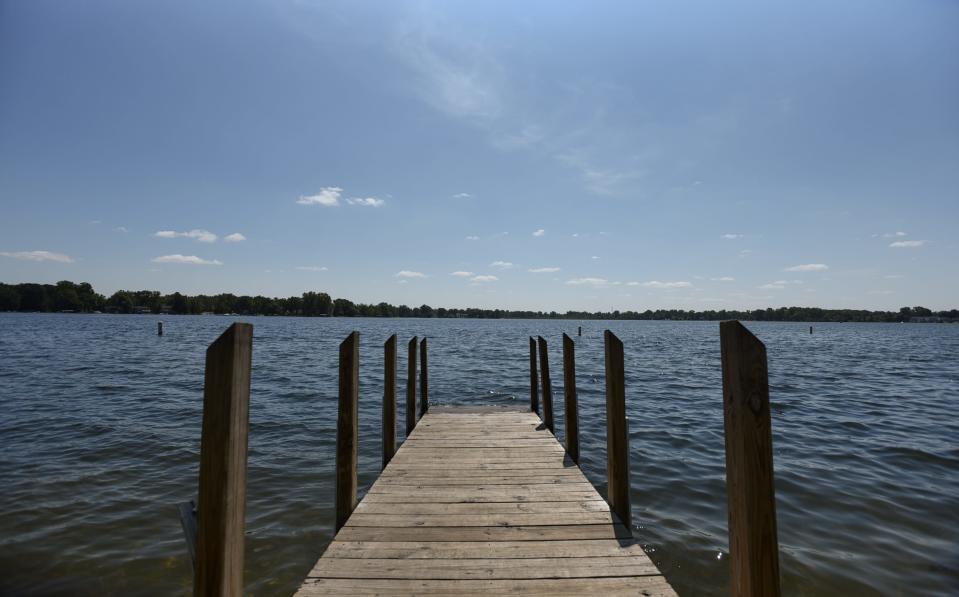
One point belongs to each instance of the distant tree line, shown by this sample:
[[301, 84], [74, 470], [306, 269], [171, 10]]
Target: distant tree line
[[81, 298]]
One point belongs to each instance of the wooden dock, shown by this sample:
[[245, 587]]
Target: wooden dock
[[483, 500]]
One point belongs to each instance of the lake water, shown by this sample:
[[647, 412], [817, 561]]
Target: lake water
[[100, 430]]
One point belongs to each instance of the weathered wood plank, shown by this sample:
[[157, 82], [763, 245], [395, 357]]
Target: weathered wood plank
[[597, 505], [477, 520], [488, 568], [513, 533], [449, 550], [648, 586]]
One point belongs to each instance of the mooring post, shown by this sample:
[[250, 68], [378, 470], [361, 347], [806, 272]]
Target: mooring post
[[221, 510], [424, 380], [533, 380], [547, 385], [617, 430], [569, 391], [389, 399], [411, 386], [160, 328], [579, 331], [753, 544], [346, 428]]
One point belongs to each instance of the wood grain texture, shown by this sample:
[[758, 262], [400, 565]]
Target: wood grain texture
[[424, 379], [411, 386], [753, 544], [389, 399], [533, 380], [346, 428], [617, 430], [546, 384], [569, 393], [221, 509], [450, 517]]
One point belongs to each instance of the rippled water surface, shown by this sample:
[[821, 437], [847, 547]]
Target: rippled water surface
[[100, 430]]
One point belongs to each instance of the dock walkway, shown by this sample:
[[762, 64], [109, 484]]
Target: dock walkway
[[483, 500]]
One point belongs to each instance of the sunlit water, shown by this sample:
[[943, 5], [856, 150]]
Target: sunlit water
[[100, 435]]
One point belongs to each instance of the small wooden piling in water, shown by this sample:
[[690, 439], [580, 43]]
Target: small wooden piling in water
[[221, 510], [547, 385], [617, 430], [424, 380], [347, 428], [159, 328], [753, 543], [389, 399], [569, 393], [533, 381], [411, 386]]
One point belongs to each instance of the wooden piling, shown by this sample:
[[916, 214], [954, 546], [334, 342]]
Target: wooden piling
[[424, 380], [533, 380], [617, 430], [569, 391], [346, 428], [389, 399], [547, 385], [160, 328], [753, 544], [223, 451], [411, 386]]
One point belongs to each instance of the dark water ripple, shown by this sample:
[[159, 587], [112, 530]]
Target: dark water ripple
[[100, 427]]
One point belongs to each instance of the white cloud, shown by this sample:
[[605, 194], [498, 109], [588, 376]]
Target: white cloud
[[204, 236], [539, 232], [38, 256], [880, 292], [501, 264], [485, 278], [893, 234], [779, 284], [907, 244], [186, 259], [596, 282], [658, 284], [808, 267], [327, 197], [366, 201], [122, 229], [543, 270], [236, 237], [472, 237], [409, 274], [594, 257], [462, 196], [723, 279], [731, 236], [462, 274], [311, 268], [893, 276]]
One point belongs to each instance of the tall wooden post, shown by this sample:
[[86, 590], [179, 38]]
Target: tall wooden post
[[533, 380], [569, 391], [346, 428], [389, 399], [221, 510], [547, 385], [424, 380], [411, 386], [617, 430], [753, 544]]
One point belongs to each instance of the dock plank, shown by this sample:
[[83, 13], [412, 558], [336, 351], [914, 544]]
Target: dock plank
[[478, 501]]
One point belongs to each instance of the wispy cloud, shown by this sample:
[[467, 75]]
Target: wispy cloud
[[462, 196], [893, 234], [501, 264], [122, 229], [472, 237], [543, 270], [661, 285], [236, 237], [409, 274], [327, 197], [484, 278], [779, 284], [204, 236], [462, 274], [907, 244], [595, 282], [186, 259], [366, 201], [38, 256], [311, 268], [723, 279], [808, 267], [731, 236], [539, 232]]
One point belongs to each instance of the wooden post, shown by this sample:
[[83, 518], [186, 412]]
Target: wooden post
[[617, 430], [579, 331], [221, 510], [411, 386], [533, 380], [160, 328], [547, 385], [346, 428], [424, 380], [389, 399], [569, 390], [753, 545]]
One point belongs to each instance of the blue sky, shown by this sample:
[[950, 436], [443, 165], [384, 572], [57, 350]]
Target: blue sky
[[600, 155]]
